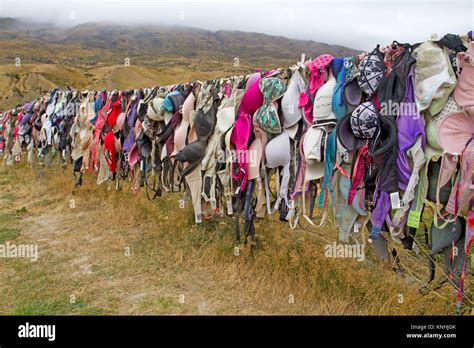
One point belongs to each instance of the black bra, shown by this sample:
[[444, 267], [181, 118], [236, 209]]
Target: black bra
[[193, 154], [204, 123]]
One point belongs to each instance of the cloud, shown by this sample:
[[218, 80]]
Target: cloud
[[355, 23]]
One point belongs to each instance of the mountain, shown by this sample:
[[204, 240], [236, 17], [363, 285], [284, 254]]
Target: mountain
[[155, 41], [97, 55]]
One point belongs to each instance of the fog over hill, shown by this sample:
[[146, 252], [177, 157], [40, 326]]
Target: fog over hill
[[141, 40], [38, 56]]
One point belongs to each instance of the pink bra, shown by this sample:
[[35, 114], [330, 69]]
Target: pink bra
[[182, 130]]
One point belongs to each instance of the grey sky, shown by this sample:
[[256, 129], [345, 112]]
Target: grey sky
[[359, 24]]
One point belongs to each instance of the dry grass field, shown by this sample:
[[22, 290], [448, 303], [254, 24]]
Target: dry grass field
[[118, 253]]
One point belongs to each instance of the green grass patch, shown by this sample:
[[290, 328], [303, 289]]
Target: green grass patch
[[8, 234], [50, 307], [22, 211], [46, 202], [162, 301], [6, 219]]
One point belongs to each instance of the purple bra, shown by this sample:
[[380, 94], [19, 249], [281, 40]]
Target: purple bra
[[410, 125]]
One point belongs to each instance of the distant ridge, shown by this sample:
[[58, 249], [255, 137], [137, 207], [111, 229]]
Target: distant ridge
[[93, 55], [164, 41]]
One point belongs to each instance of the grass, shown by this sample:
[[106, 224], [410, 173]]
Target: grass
[[49, 307], [7, 196], [21, 211], [84, 253], [8, 231], [7, 234]]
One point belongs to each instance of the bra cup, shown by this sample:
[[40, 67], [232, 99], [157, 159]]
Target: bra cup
[[259, 132], [144, 145], [322, 107], [254, 78], [193, 154], [204, 124], [188, 106], [267, 115], [209, 152], [255, 156], [455, 130], [138, 128], [241, 132], [201, 124], [433, 122], [388, 128], [225, 119], [192, 135], [464, 90], [310, 141], [180, 137], [169, 102], [268, 118], [154, 110], [163, 153], [252, 99], [178, 101], [82, 137], [133, 157], [289, 103], [314, 169], [277, 151], [192, 117], [50, 109], [352, 95], [120, 120]]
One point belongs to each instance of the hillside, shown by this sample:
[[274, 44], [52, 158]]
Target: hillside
[[93, 55]]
